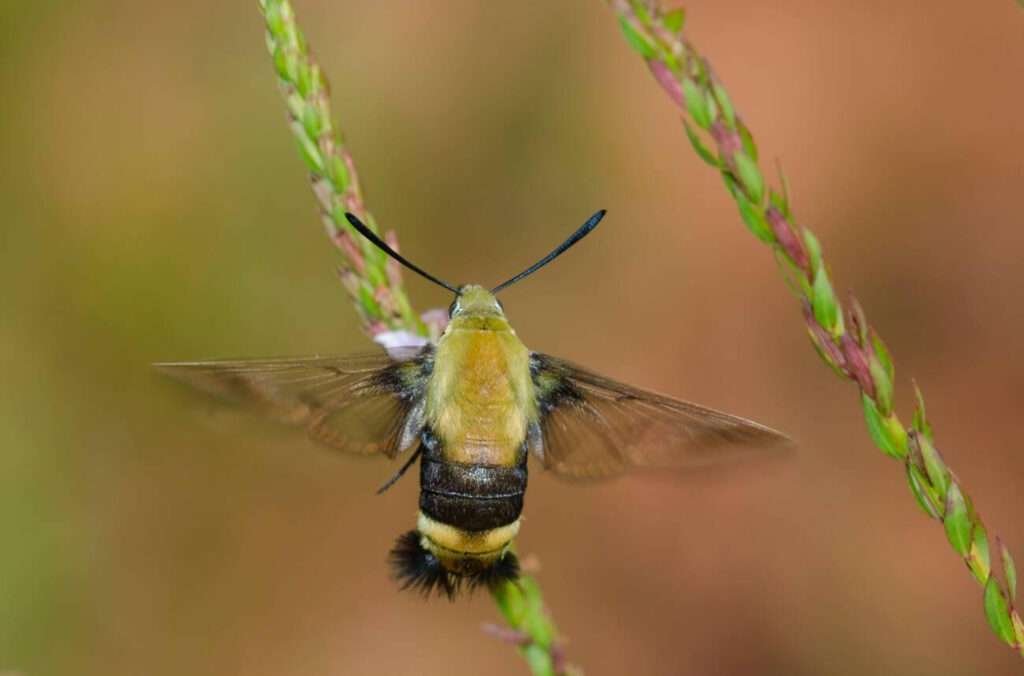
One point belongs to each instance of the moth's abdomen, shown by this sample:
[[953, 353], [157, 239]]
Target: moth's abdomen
[[469, 515], [471, 498]]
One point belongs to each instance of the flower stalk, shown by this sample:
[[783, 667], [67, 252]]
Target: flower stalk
[[374, 282], [840, 334]]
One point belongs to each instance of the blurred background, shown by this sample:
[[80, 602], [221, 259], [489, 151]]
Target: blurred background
[[155, 208]]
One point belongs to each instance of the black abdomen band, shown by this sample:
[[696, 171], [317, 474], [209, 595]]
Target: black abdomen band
[[471, 497]]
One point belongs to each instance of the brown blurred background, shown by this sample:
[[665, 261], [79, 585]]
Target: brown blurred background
[[155, 208]]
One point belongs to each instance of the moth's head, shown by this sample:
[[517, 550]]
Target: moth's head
[[475, 301]]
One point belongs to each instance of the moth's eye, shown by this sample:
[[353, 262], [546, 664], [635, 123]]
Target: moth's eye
[[452, 307]]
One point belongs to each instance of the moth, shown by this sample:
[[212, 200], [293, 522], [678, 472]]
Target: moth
[[472, 409]]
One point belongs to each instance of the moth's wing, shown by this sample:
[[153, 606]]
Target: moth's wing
[[593, 427], [365, 404]]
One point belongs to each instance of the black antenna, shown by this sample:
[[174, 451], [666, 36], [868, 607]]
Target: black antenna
[[575, 237], [380, 244]]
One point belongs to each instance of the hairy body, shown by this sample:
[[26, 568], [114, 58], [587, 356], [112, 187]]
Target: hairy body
[[472, 408], [480, 404]]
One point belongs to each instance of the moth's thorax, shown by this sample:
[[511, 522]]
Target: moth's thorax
[[480, 398]]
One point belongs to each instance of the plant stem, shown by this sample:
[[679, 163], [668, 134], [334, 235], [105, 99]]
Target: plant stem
[[841, 335], [374, 281]]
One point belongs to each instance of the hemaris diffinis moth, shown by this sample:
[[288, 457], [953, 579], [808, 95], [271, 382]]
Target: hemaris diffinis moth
[[472, 408]]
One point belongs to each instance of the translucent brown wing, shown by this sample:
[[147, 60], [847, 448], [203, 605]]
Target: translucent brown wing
[[593, 427], [363, 404]]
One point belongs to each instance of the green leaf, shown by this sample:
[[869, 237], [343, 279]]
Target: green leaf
[[699, 147], [753, 216], [957, 521], [823, 302], [997, 610], [641, 43], [674, 20], [696, 103], [750, 177]]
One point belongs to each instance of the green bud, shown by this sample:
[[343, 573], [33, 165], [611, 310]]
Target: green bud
[[997, 610], [724, 103], [303, 78], [1009, 570], [749, 146], [283, 63], [813, 250], [957, 521], [338, 173], [309, 151], [272, 14], [640, 8], [674, 20], [882, 352], [753, 216], [920, 491], [699, 147], [712, 105], [311, 121], [921, 423], [696, 103], [886, 432], [938, 473], [883, 385], [979, 559], [823, 301], [641, 43], [750, 177], [782, 202]]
